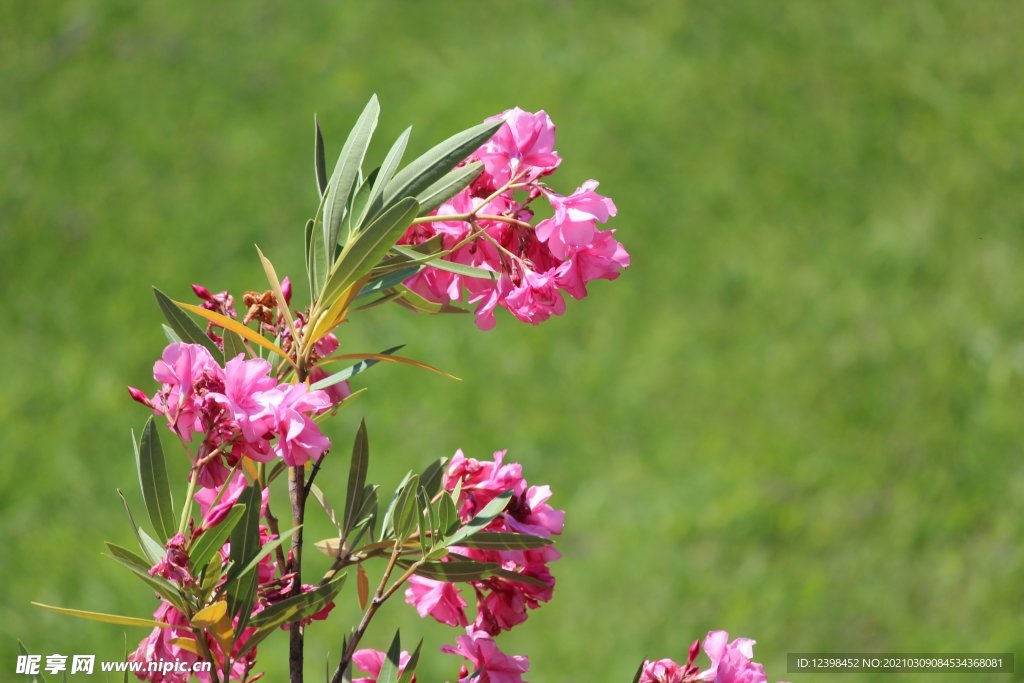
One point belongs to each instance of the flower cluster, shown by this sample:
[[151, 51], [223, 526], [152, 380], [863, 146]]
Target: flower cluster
[[501, 601], [731, 662], [489, 226], [177, 641], [238, 409]]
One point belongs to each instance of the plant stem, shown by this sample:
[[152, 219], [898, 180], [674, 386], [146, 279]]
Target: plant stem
[[380, 596], [297, 491], [186, 507]]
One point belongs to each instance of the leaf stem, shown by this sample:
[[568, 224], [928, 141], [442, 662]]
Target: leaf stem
[[380, 595]]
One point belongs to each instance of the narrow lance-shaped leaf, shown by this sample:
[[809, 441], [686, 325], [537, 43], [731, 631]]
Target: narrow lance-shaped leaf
[[482, 519], [386, 282], [404, 520], [138, 566], [156, 491], [105, 618], [211, 540], [356, 477], [319, 165], [235, 326], [351, 371], [327, 508], [384, 175], [346, 172], [245, 543], [432, 476], [410, 666], [451, 184], [367, 248], [389, 667], [152, 550], [233, 345], [458, 570], [289, 610], [438, 161], [501, 540], [414, 302], [186, 328], [435, 261]]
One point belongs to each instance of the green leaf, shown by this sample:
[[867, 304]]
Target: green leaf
[[233, 346], [137, 565], [458, 570], [351, 371], [346, 172], [186, 328], [438, 161], [386, 282], [328, 510], [639, 671], [156, 492], [205, 545], [172, 336], [265, 550], [449, 266], [245, 544], [516, 576], [389, 668], [356, 477], [367, 248], [319, 165], [308, 240], [415, 302], [384, 175], [358, 206], [447, 515], [448, 186], [387, 524], [127, 557], [432, 476], [291, 609], [105, 618], [150, 548], [410, 666], [405, 515], [25, 652], [482, 519], [501, 540]]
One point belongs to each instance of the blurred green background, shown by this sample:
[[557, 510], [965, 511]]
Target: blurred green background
[[797, 416]]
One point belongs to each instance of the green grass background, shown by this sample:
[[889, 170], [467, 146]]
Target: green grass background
[[797, 416]]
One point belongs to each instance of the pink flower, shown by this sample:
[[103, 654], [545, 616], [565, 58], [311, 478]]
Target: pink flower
[[663, 671], [183, 370], [575, 221], [174, 566], [440, 599], [525, 144], [602, 259], [298, 437], [535, 299], [222, 303], [490, 664], [731, 662], [371, 661], [246, 383]]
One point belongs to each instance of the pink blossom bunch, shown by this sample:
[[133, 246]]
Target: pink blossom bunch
[[489, 226], [501, 602], [164, 644], [239, 410], [731, 662]]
